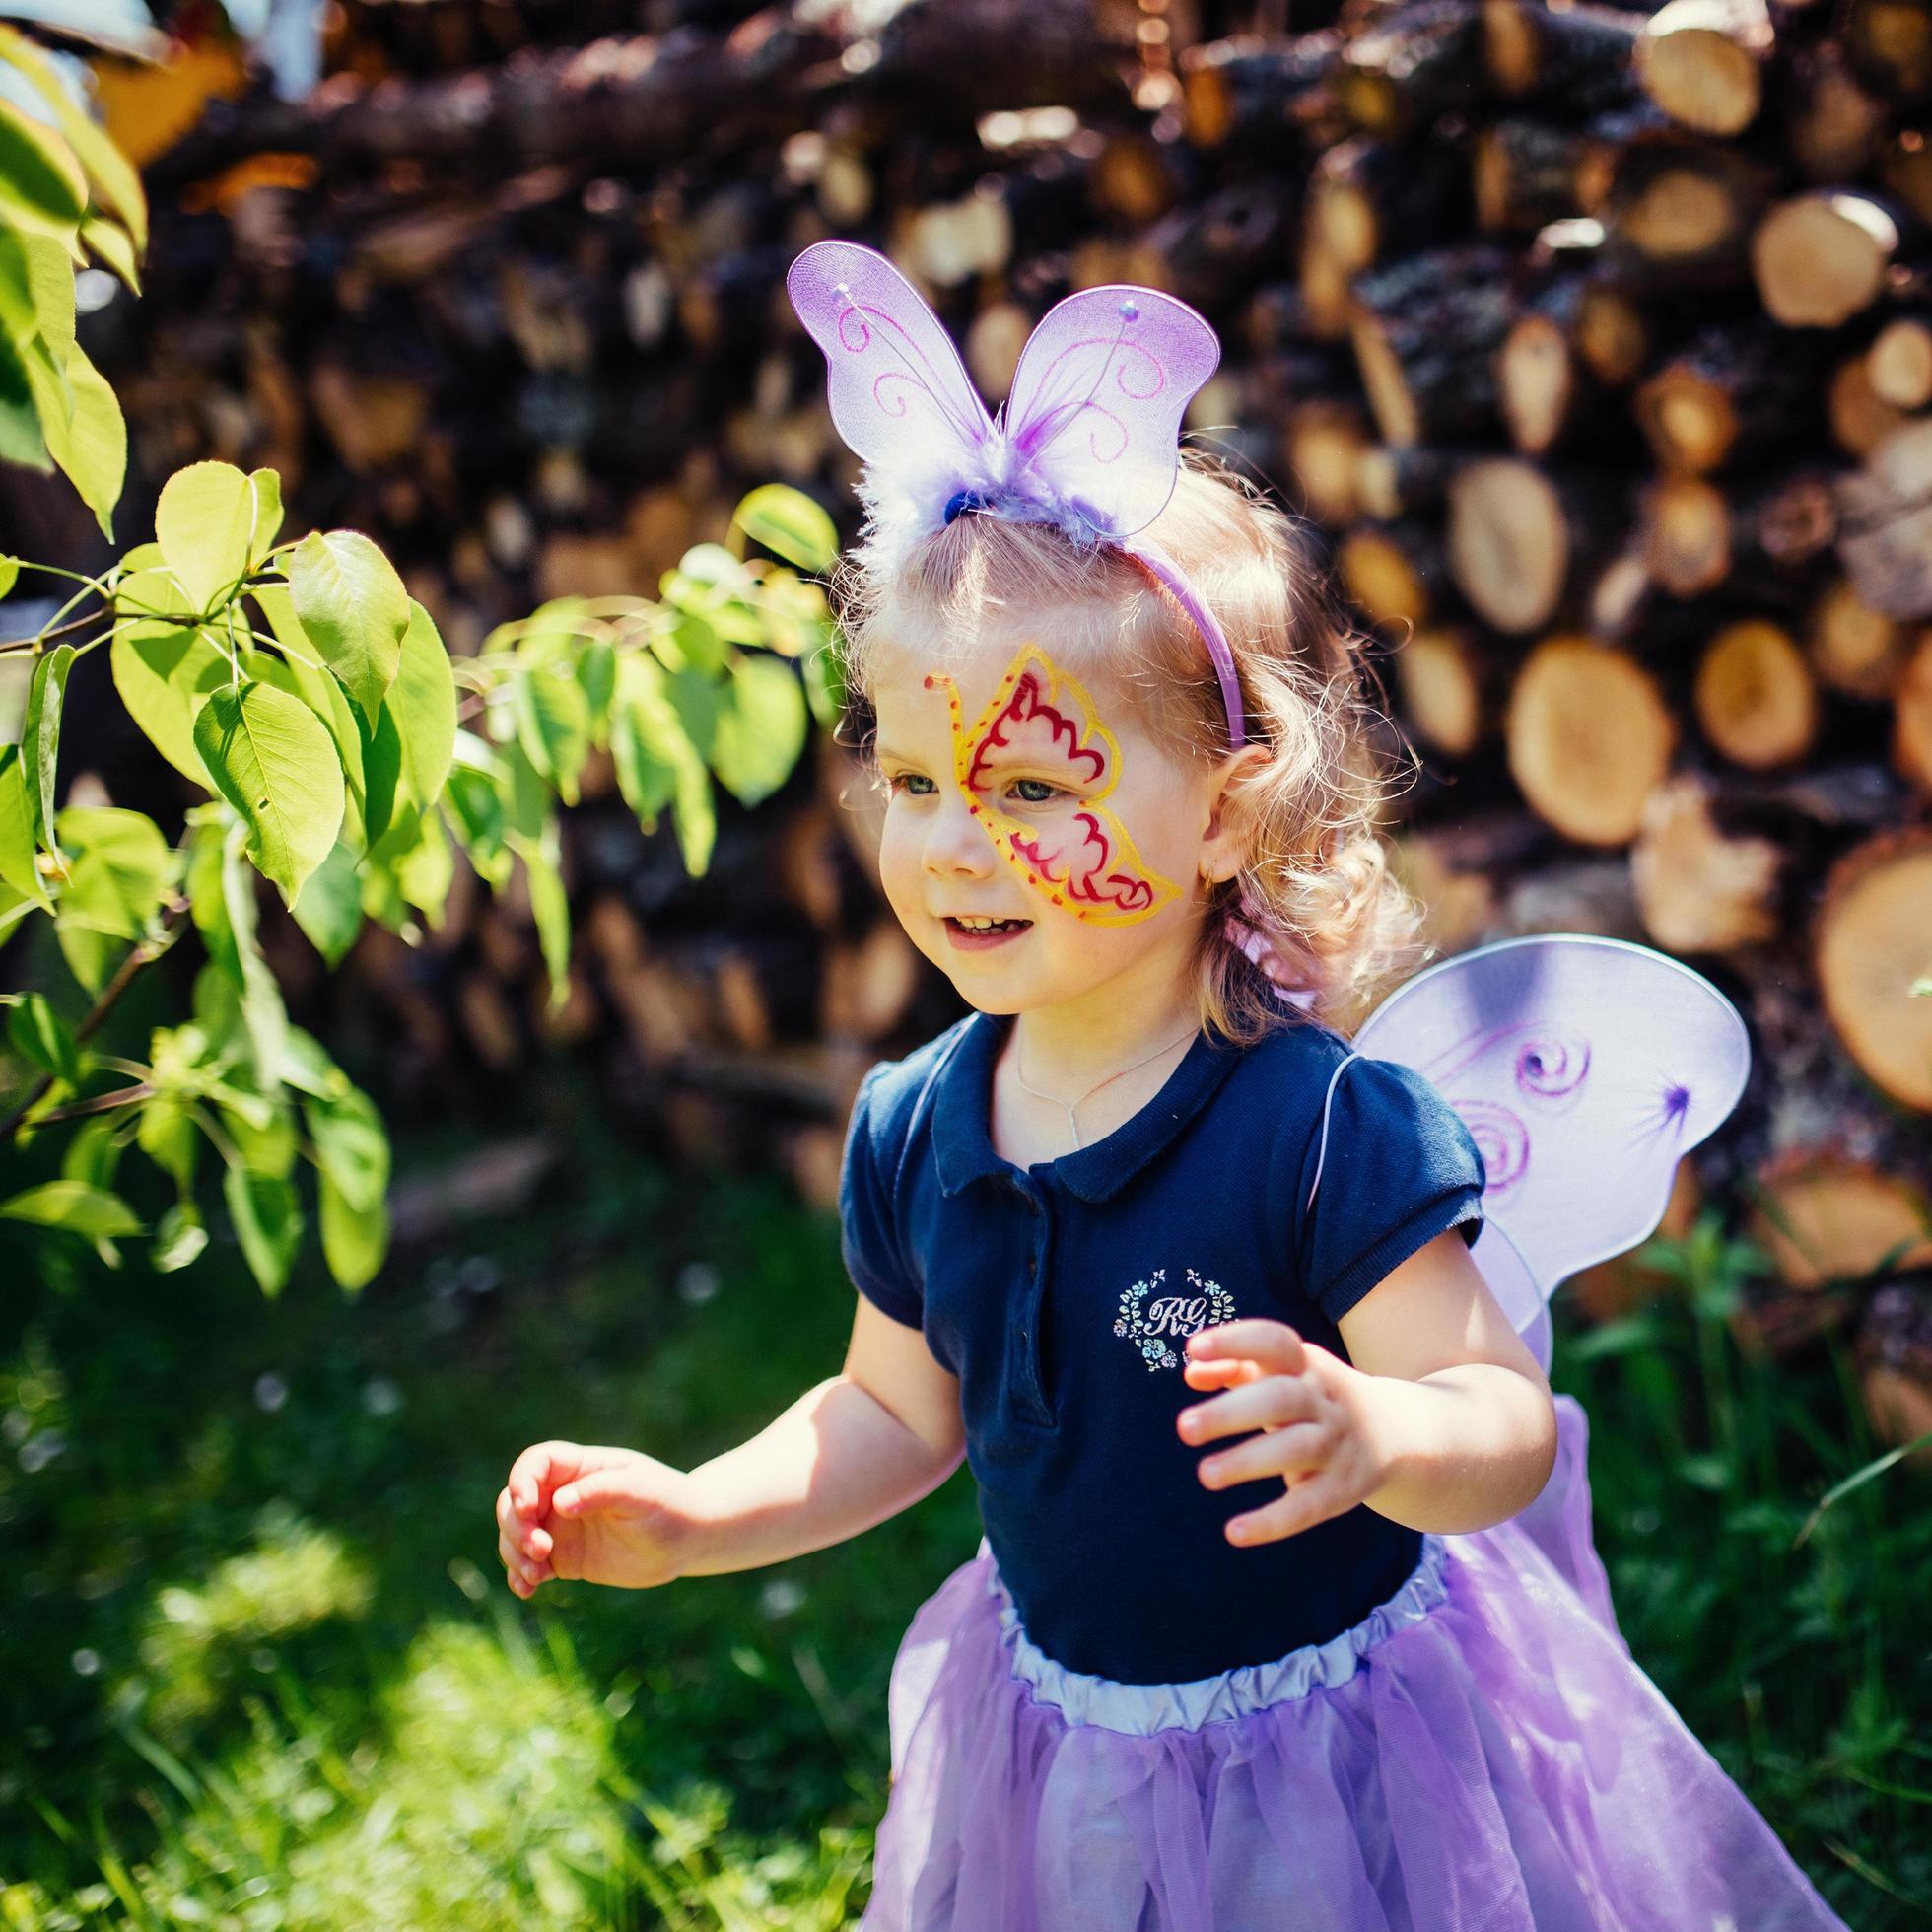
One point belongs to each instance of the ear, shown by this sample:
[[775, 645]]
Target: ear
[[1223, 841]]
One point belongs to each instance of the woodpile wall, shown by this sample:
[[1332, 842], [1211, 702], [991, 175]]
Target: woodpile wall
[[1594, 342]]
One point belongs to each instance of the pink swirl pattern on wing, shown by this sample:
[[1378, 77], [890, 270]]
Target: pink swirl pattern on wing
[[1501, 1137]]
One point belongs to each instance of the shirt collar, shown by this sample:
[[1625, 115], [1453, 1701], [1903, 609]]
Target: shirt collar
[[962, 1100]]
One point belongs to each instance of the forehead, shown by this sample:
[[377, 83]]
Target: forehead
[[907, 708]]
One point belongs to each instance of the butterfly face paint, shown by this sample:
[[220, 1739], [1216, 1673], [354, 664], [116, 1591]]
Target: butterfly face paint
[[1042, 719]]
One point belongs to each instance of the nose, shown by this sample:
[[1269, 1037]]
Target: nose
[[956, 844]]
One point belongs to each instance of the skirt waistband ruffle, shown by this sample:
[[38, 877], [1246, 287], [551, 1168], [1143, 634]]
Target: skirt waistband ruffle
[[1141, 1710]]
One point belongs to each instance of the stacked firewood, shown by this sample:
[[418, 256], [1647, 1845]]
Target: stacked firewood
[[1595, 344]]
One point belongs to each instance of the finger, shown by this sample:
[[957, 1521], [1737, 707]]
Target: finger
[[1274, 1344], [533, 1474], [1223, 1373], [1271, 1403], [1299, 1449], [598, 1488], [514, 1530], [1306, 1504]]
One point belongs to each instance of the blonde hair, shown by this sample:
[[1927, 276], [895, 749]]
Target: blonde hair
[[1314, 893]]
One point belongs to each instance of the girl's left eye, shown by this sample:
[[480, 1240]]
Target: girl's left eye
[[1044, 792]]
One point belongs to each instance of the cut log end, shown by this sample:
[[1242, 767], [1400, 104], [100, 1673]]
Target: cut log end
[[1510, 545], [1755, 697], [1590, 737], [1874, 945]]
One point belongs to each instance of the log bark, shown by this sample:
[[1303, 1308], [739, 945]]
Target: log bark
[[1424, 332]]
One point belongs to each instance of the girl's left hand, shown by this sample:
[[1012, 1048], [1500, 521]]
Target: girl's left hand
[[1311, 1406]]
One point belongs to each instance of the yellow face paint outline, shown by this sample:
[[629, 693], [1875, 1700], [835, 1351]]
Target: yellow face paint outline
[[1118, 887]]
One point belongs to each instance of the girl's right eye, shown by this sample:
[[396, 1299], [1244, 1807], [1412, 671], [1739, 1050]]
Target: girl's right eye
[[898, 781]]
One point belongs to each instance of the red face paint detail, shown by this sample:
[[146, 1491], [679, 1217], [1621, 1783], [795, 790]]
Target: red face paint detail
[[1049, 725], [1040, 734]]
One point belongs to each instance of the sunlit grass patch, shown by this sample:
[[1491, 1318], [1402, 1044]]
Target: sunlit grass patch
[[197, 1639]]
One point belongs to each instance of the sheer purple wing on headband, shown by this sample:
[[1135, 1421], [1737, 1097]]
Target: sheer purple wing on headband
[[899, 396], [1585, 1069], [1097, 399]]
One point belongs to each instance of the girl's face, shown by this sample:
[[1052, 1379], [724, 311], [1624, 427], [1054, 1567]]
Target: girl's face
[[1020, 792]]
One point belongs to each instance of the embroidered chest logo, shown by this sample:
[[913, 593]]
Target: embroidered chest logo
[[1150, 1314]]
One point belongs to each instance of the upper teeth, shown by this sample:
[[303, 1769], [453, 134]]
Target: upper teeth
[[979, 921]]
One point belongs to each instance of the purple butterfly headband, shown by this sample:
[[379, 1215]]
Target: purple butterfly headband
[[1087, 441]]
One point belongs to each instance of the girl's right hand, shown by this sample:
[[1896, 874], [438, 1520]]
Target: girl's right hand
[[599, 1515]]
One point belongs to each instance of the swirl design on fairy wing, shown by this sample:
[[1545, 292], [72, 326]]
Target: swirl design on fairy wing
[[1585, 1069], [1088, 863], [899, 396], [1097, 401]]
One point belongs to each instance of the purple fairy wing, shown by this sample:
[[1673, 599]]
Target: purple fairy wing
[[1096, 403], [1584, 1068], [899, 396]]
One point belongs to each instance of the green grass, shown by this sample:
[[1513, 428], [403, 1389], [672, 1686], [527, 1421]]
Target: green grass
[[264, 1671]]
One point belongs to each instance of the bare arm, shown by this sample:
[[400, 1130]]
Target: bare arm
[[857, 1449], [1454, 1398]]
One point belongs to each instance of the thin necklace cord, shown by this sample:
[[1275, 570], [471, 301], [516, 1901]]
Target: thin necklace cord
[[1095, 1088]]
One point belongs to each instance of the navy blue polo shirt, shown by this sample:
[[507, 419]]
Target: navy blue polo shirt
[[1062, 1296]]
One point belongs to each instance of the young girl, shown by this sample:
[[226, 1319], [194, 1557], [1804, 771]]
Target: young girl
[[1263, 1632]]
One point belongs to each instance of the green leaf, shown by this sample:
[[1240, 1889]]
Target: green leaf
[[213, 526], [301, 672], [268, 1223], [352, 1146], [17, 840], [355, 1240], [553, 724], [168, 1135], [75, 1206], [380, 757], [789, 524], [92, 448], [9, 575], [180, 1238], [550, 907], [20, 440], [43, 1039], [330, 910], [761, 730], [50, 290], [93, 1155], [42, 187], [276, 764], [424, 702], [471, 796], [262, 1012], [164, 676], [349, 599], [109, 242], [424, 871], [119, 867], [40, 735], [650, 740], [112, 176]]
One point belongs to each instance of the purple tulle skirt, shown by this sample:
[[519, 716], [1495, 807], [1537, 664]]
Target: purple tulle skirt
[[1480, 1753]]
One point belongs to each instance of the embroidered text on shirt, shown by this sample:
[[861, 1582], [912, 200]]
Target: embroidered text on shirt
[[1147, 1324]]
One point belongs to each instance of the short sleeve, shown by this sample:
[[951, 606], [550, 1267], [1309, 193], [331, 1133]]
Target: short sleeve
[[1397, 1168], [868, 1237]]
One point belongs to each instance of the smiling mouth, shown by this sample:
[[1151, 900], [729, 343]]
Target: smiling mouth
[[963, 933]]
